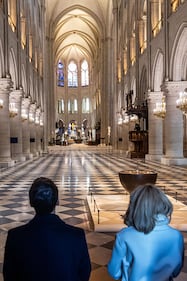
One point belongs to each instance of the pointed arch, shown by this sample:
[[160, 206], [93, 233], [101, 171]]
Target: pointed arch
[[143, 84], [1, 60], [158, 71], [23, 79], [179, 55], [13, 68]]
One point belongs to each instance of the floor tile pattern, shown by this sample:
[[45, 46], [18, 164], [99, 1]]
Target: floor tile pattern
[[79, 170]]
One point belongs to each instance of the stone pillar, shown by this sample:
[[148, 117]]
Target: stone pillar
[[38, 131], [107, 107], [42, 132], [114, 87], [16, 127], [155, 128], [5, 154], [173, 125], [32, 126], [26, 128]]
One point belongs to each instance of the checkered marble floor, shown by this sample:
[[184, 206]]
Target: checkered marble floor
[[107, 212], [77, 170]]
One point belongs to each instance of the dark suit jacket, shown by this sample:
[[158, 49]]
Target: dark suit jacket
[[46, 249]]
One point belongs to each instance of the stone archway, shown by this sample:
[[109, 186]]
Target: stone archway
[[13, 69], [1, 61], [179, 57], [158, 72]]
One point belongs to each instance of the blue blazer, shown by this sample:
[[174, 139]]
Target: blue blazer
[[46, 249], [156, 256]]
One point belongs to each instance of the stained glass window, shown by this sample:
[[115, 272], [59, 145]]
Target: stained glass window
[[85, 105], [84, 74], [72, 106], [60, 74], [61, 106], [72, 75]]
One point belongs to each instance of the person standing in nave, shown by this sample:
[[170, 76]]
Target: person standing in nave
[[46, 248], [148, 249]]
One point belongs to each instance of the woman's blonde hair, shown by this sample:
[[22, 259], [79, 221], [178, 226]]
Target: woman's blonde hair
[[146, 202]]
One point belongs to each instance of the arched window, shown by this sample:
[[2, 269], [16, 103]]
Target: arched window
[[60, 74], [156, 16], [72, 106], [85, 105], [84, 74], [143, 29], [23, 30], [61, 106], [175, 4], [72, 75], [12, 13], [75, 103]]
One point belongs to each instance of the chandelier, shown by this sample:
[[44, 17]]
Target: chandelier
[[182, 101], [119, 119], [160, 109], [126, 119], [133, 118], [24, 115], [1, 103], [13, 111], [31, 117]]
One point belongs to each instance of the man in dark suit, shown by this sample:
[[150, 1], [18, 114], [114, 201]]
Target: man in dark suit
[[46, 248]]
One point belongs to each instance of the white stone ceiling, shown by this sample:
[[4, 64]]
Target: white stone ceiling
[[77, 27]]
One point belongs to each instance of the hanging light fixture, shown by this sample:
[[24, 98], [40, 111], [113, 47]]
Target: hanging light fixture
[[24, 115], [31, 117], [133, 118], [160, 109], [126, 118], [1, 103], [182, 101], [13, 111], [41, 122], [37, 119], [120, 119]]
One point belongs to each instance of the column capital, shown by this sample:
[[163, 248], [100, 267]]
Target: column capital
[[26, 102], [154, 96], [16, 95], [6, 85], [173, 86], [32, 112], [32, 107]]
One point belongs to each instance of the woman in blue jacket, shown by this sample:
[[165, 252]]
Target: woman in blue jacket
[[148, 249]]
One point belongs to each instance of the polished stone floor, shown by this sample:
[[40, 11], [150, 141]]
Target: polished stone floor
[[80, 170]]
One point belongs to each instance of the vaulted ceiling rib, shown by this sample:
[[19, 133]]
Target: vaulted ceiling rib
[[77, 28]]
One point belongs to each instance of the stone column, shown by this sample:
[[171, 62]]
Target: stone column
[[26, 128], [42, 133], [112, 66], [32, 126], [16, 127], [38, 131], [5, 154], [173, 125], [155, 128]]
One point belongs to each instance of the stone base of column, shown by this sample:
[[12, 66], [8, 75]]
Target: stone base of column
[[39, 152], [6, 163], [174, 161], [28, 156], [20, 158], [153, 157]]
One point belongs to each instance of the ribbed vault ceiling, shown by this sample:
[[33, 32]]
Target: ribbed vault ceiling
[[77, 27]]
